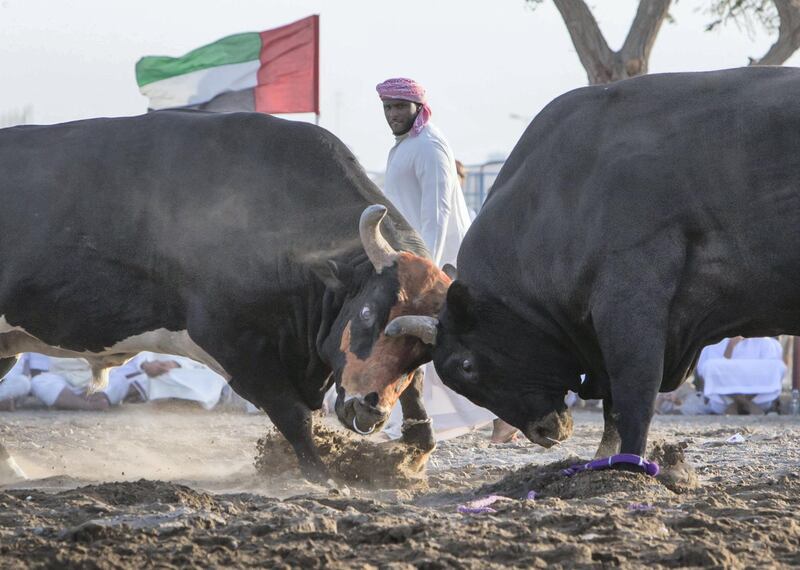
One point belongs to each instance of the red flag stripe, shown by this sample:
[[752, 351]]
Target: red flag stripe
[[288, 79]]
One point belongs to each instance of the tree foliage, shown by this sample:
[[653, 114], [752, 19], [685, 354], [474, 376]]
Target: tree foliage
[[745, 13]]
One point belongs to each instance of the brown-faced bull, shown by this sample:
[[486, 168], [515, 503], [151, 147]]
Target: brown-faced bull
[[253, 244], [633, 224], [373, 370]]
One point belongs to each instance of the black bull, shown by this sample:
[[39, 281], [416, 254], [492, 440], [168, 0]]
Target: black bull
[[249, 243], [633, 224]]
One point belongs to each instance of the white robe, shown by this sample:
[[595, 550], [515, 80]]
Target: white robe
[[191, 381], [17, 381], [421, 181], [756, 368], [73, 374]]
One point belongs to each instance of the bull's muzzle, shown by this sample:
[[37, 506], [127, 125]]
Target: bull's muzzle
[[361, 414], [550, 430]]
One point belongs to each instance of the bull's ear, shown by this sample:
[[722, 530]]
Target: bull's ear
[[335, 276], [450, 271], [460, 305]]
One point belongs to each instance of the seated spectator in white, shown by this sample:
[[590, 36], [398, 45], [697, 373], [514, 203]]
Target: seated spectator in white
[[162, 376], [16, 384], [63, 383], [742, 375]]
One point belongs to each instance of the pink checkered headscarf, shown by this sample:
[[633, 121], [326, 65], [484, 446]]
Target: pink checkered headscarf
[[407, 90]]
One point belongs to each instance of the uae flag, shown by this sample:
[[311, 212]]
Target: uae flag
[[275, 71]]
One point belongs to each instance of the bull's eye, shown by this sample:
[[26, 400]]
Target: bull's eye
[[466, 365], [366, 313]]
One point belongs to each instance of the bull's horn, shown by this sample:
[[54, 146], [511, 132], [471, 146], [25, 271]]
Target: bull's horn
[[380, 253], [424, 328]]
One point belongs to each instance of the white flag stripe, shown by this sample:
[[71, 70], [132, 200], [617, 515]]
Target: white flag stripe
[[201, 86]]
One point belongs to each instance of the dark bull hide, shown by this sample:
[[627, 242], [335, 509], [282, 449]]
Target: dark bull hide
[[253, 244], [633, 224]]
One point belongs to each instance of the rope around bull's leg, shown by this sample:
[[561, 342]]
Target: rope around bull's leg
[[650, 467]]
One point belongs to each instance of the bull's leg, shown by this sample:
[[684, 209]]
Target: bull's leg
[[293, 419], [271, 390], [609, 444], [631, 334], [417, 429], [635, 379]]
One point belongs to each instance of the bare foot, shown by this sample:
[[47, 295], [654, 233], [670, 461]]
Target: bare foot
[[503, 432]]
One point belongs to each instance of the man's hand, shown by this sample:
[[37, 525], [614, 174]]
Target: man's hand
[[158, 367]]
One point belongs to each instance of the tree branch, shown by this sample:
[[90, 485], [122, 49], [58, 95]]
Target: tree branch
[[788, 40], [592, 48], [603, 65], [636, 50]]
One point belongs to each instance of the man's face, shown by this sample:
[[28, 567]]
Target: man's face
[[400, 115]]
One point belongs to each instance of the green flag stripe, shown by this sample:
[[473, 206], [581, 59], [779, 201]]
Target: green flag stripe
[[232, 49]]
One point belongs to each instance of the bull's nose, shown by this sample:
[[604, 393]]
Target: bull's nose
[[371, 399], [550, 430], [362, 415]]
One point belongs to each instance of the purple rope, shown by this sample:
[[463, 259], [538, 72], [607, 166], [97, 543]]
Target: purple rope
[[650, 467]]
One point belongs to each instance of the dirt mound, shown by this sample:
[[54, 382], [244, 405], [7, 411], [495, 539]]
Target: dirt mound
[[351, 460], [676, 473], [144, 492], [550, 481]]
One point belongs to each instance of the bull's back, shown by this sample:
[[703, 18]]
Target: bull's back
[[701, 158], [694, 176], [114, 225]]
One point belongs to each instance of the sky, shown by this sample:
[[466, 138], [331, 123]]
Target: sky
[[488, 65]]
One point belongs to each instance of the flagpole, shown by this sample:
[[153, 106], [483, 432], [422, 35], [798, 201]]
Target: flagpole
[[316, 119]]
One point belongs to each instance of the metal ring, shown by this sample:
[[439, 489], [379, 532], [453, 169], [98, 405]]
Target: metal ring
[[355, 427]]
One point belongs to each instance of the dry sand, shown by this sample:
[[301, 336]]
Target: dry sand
[[175, 488]]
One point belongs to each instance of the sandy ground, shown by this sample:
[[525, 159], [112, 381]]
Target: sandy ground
[[138, 487]]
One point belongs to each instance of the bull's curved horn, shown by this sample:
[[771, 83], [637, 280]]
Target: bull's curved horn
[[380, 253], [424, 328]]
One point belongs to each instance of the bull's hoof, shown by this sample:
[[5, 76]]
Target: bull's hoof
[[418, 436], [418, 462], [317, 474]]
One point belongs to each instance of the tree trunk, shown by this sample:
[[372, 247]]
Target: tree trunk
[[602, 64], [788, 40]]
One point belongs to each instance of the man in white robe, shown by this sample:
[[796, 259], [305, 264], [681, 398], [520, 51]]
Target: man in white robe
[[742, 375], [421, 181], [63, 383], [16, 384], [164, 376]]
